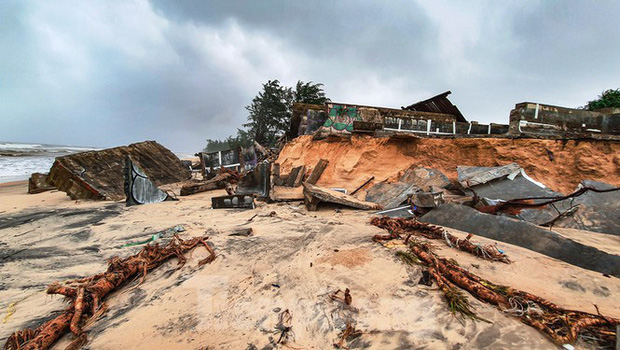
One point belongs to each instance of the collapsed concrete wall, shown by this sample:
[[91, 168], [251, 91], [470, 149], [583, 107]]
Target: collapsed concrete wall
[[99, 174], [559, 164], [345, 119], [535, 119], [525, 235]]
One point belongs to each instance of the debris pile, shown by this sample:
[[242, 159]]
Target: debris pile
[[219, 181], [87, 295], [562, 326], [373, 158]]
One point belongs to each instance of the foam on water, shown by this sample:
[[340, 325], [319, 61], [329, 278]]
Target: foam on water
[[19, 160]]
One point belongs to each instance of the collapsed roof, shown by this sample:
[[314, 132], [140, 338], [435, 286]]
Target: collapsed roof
[[438, 104]]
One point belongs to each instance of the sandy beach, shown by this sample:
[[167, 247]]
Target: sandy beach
[[293, 260]]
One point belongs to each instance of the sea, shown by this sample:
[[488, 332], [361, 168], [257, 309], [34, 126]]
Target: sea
[[19, 160]]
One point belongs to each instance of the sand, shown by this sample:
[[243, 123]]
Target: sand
[[352, 162], [292, 261]]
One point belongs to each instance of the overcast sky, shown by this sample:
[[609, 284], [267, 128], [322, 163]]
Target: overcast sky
[[106, 73]]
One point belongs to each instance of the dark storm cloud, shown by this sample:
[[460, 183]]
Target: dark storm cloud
[[105, 73]]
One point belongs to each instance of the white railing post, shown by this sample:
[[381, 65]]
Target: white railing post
[[400, 121], [454, 128], [428, 127], [219, 157]]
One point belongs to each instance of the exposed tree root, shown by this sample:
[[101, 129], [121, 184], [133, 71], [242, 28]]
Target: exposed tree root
[[348, 333], [561, 325], [399, 228], [86, 293]]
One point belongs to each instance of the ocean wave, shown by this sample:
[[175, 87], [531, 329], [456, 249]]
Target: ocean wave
[[9, 149]]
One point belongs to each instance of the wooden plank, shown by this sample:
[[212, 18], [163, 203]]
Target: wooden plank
[[315, 194], [300, 176], [316, 173], [218, 182], [293, 176]]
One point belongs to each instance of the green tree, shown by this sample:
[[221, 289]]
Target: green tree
[[310, 93], [242, 139], [270, 114], [609, 98]]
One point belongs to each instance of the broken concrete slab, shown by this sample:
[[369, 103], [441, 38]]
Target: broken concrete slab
[[236, 201], [428, 199], [99, 174], [424, 178], [37, 183], [314, 195], [470, 176], [390, 195], [598, 212], [591, 211], [525, 235], [139, 189], [505, 189], [256, 181], [414, 179], [286, 194]]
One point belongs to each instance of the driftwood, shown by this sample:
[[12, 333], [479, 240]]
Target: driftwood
[[87, 294], [317, 171], [315, 194], [218, 182], [561, 325], [406, 228]]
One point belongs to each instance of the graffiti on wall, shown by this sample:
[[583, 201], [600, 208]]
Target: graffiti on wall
[[340, 119], [311, 121]]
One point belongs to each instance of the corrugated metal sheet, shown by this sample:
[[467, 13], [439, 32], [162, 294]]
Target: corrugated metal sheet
[[438, 104]]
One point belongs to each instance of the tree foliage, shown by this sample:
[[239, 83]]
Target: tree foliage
[[310, 93], [609, 98], [231, 142], [270, 113]]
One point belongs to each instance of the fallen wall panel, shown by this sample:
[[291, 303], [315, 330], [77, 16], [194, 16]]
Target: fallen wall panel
[[524, 235], [99, 174]]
